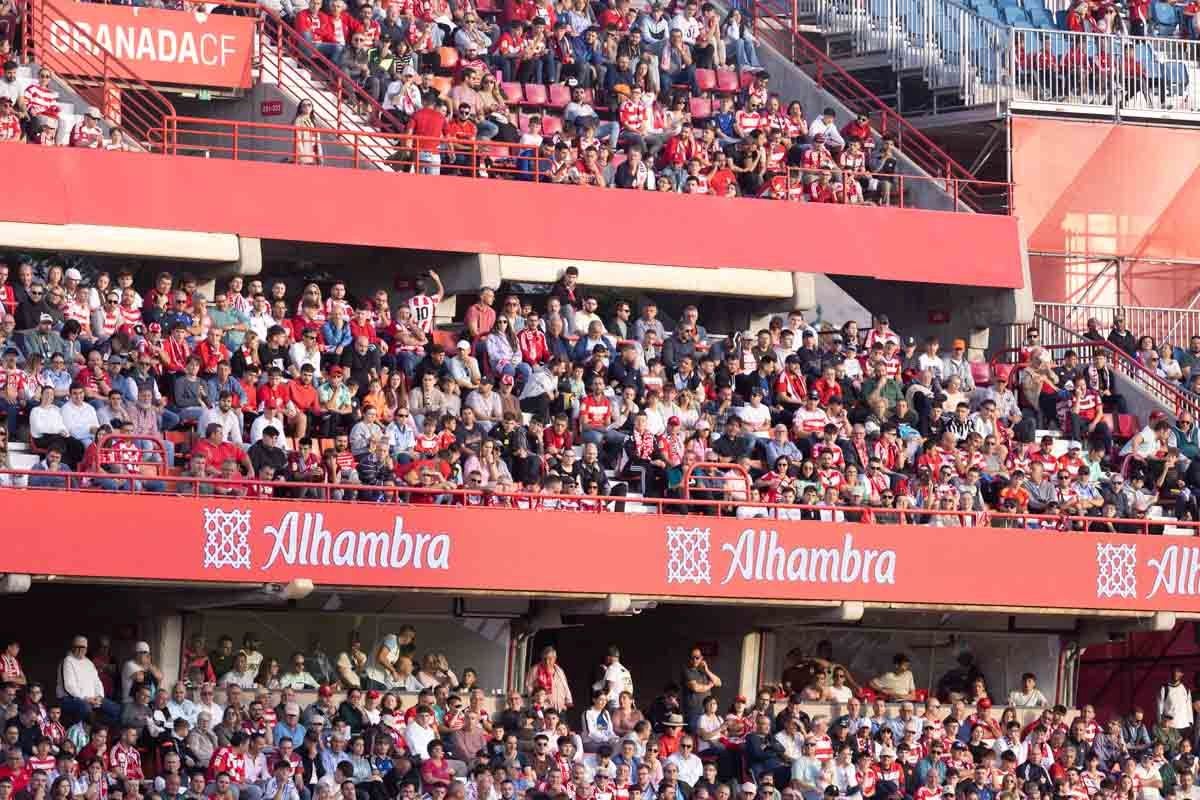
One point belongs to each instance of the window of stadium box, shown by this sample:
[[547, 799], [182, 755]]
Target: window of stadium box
[[470, 643]]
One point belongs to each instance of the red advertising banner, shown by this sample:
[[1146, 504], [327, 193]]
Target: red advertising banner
[[439, 547], [176, 47]]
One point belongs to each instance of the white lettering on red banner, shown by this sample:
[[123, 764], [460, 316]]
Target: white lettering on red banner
[[137, 43], [758, 556], [304, 540], [1178, 571]]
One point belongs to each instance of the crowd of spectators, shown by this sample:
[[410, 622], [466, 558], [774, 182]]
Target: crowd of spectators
[[30, 112], [591, 94], [381, 728], [620, 96], [550, 394]]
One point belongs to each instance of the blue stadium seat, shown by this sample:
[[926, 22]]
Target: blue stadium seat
[[1060, 20], [1016, 16], [1032, 4], [989, 12], [1040, 17]]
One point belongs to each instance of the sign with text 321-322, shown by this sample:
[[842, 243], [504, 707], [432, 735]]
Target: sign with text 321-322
[[163, 47]]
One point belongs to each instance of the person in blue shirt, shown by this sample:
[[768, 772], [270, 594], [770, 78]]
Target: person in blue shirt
[[723, 122], [289, 726]]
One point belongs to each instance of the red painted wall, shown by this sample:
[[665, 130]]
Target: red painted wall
[[1115, 677], [331, 205], [1097, 190]]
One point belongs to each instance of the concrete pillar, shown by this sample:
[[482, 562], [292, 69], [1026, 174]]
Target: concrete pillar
[[167, 646], [751, 663]]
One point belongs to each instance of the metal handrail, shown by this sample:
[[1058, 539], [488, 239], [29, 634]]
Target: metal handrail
[[105, 81], [283, 491], [1168, 394], [265, 141], [288, 43], [831, 77]]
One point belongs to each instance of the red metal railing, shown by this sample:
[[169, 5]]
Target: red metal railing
[[286, 491], [92, 72], [261, 141], [285, 53], [1166, 392], [153, 456], [776, 24]]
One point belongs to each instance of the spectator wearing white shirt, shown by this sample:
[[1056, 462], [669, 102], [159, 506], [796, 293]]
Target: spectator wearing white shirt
[[79, 417], [142, 663], [420, 732], [1175, 699], [208, 709], [269, 418], [79, 687], [690, 767], [687, 22], [241, 674], [1029, 695], [224, 415], [826, 125]]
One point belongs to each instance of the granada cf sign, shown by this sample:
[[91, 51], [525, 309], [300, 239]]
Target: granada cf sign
[[161, 47], [239, 540]]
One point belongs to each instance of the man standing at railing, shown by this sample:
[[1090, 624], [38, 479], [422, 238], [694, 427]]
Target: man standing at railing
[[428, 126]]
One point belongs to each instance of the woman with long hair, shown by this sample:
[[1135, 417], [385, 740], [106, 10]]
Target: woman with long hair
[[307, 148]]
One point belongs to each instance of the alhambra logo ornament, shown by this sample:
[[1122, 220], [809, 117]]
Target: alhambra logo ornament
[[687, 555], [226, 538], [1116, 570], [306, 539]]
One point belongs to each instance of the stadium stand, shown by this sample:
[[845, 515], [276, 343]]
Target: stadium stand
[[695, 104], [384, 721], [548, 398]]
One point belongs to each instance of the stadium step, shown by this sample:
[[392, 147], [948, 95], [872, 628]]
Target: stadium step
[[297, 84]]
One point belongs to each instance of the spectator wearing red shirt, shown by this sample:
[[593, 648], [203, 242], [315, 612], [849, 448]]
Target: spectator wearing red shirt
[[532, 341], [216, 451], [124, 762], [317, 28], [858, 130], [303, 402], [462, 129], [428, 124], [212, 352]]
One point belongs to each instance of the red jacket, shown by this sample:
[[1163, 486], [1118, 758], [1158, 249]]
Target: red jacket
[[318, 25], [533, 346]]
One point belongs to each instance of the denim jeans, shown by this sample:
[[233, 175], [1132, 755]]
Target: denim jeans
[[431, 163], [743, 53]]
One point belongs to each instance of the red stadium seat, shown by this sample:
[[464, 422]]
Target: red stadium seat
[[981, 373], [747, 80], [706, 79], [560, 95], [441, 85], [551, 125], [487, 7], [512, 92], [535, 94], [727, 80], [701, 107]]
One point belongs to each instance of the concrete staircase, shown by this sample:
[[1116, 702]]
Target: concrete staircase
[[356, 132]]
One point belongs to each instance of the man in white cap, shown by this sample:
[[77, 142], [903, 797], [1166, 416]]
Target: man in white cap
[[151, 676], [88, 132], [79, 686]]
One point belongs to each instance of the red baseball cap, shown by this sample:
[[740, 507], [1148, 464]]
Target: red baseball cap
[[326, 691]]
